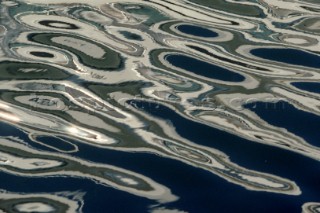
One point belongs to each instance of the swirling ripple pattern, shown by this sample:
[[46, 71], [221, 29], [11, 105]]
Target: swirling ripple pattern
[[159, 106]]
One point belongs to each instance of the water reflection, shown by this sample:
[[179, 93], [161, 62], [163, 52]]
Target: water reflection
[[137, 96]]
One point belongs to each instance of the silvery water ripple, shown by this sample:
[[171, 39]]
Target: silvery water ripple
[[159, 106]]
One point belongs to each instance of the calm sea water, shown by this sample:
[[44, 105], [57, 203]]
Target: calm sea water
[[159, 106]]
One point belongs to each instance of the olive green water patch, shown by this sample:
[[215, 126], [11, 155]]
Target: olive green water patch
[[131, 36], [239, 9], [311, 25], [10, 70], [90, 53]]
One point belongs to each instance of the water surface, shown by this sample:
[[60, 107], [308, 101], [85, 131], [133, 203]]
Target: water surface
[[159, 106]]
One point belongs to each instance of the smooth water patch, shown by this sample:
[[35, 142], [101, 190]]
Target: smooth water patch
[[197, 31], [42, 54], [308, 86], [56, 143], [284, 115], [289, 56], [203, 68]]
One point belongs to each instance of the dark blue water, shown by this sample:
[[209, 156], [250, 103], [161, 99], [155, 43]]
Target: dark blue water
[[251, 155], [56, 143], [197, 31], [285, 115], [290, 56], [308, 86], [203, 68], [199, 190], [99, 198]]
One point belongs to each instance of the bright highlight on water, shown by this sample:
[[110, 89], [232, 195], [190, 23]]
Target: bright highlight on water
[[159, 106]]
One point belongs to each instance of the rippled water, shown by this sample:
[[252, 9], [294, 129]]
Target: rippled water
[[160, 106]]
